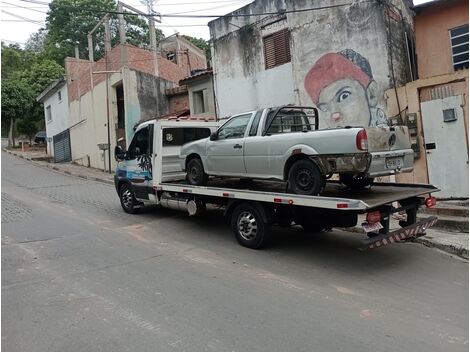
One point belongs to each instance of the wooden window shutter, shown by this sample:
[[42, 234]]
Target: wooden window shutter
[[277, 48]]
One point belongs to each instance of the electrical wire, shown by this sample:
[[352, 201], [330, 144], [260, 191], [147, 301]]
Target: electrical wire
[[72, 8], [23, 18], [23, 7]]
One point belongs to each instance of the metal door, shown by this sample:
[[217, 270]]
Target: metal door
[[446, 145], [62, 150]]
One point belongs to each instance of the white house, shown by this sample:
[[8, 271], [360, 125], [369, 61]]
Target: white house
[[56, 115]]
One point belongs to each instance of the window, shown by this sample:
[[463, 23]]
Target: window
[[449, 115], [48, 114], [277, 48], [288, 121], [141, 143], [459, 45], [235, 127], [180, 136], [199, 102], [59, 95], [254, 125]]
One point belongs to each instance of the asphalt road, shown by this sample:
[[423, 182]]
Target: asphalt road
[[78, 274]]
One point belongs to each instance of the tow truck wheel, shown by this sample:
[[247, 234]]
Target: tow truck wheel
[[195, 174], [128, 201], [305, 178], [355, 182], [249, 228]]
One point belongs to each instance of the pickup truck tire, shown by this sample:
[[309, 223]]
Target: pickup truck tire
[[128, 202], [355, 182], [305, 178], [195, 174], [249, 228]]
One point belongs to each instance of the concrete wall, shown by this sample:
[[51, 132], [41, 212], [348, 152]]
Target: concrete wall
[[59, 113], [411, 95], [435, 56], [324, 47], [203, 84]]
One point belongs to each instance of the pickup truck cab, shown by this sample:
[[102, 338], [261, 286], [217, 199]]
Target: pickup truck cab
[[286, 144]]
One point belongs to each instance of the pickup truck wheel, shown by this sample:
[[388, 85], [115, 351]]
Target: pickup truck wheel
[[305, 178], [195, 174], [355, 182], [249, 228], [127, 198]]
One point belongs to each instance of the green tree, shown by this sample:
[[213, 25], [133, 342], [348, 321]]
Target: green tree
[[69, 21], [17, 100], [36, 41]]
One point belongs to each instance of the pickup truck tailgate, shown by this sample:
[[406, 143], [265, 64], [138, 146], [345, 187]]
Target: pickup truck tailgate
[[388, 138]]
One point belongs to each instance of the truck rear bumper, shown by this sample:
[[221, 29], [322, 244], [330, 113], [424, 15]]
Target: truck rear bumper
[[391, 162], [416, 230]]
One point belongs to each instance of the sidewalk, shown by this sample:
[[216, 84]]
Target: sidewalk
[[39, 158], [451, 242]]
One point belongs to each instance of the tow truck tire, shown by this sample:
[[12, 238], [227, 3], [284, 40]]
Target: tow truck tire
[[195, 174], [305, 178], [355, 182], [249, 228], [127, 198]]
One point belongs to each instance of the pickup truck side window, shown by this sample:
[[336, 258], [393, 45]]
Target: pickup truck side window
[[180, 136], [254, 125], [141, 143], [235, 128]]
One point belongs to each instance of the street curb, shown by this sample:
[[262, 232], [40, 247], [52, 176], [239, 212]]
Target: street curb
[[65, 172], [458, 251], [448, 248]]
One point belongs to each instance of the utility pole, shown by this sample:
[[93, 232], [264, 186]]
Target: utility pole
[[107, 49]]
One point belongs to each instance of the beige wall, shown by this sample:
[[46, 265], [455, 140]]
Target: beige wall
[[88, 124], [432, 27], [409, 96]]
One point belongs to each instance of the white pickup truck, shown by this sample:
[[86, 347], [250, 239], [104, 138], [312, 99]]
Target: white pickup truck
[[286, 144]]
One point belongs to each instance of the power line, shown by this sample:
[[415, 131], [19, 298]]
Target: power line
[[36, 2], [71, 8], [205, 9], [23, 7], [23, 18]]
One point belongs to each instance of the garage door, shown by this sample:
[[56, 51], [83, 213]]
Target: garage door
[[62, 150]]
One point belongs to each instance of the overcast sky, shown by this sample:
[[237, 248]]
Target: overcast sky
[[21, 18]]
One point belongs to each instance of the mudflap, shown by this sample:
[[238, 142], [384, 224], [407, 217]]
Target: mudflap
[[413, 231]]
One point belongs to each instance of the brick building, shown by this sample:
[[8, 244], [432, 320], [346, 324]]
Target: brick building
[[137, 82]]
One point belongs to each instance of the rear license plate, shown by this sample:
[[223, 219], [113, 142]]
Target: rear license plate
[[371, 227], [394, 163]]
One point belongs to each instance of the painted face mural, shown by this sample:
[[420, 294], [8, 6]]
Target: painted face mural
[[342, 87]]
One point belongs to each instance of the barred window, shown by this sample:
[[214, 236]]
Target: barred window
[[459, 45], [277, 48]]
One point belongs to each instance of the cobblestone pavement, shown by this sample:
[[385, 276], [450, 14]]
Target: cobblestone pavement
[[14, 210], [61, 188]]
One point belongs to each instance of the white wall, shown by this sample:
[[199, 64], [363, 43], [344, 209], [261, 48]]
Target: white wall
[[59, 113]]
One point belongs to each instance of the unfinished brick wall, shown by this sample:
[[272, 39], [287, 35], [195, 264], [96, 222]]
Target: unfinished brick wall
[[81, 77], [178, 99]]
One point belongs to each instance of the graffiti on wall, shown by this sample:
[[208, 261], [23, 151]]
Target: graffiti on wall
[[342, 87]]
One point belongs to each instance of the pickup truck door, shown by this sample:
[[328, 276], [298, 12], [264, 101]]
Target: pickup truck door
[[224, 156]]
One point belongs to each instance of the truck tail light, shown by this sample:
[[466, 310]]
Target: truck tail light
[[373, 217], [430, 202], [361, 140]]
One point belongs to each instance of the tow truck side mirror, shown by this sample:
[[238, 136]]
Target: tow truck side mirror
[[119, 153], [213, 136]]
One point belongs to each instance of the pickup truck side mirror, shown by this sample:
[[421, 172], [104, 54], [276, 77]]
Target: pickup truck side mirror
[[119, 153], [213, 136]]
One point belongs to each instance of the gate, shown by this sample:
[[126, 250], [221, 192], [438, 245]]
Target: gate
[[62, 150]]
